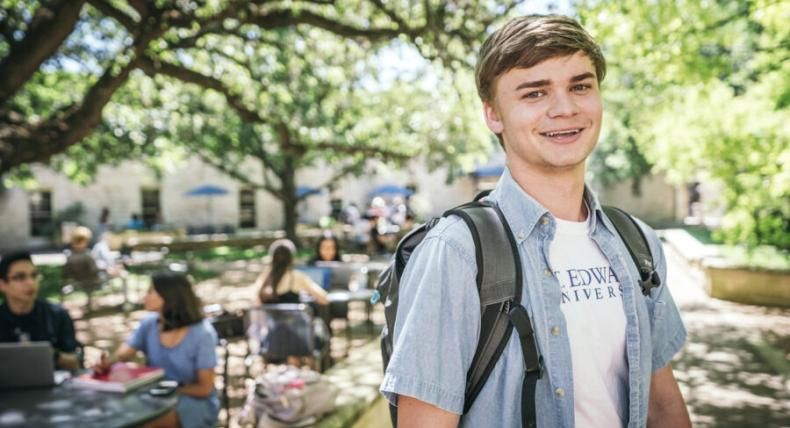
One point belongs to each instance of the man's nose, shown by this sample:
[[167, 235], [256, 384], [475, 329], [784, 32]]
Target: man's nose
[[562, 104]]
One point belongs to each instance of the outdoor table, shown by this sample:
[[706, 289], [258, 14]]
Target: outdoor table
[[362, 295], [66, 406]]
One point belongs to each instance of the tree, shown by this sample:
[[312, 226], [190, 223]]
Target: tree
[[309, 98], [700, 91], [110, 39]]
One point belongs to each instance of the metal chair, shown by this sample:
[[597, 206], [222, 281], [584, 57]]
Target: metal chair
[[283, 330], [230, 327]]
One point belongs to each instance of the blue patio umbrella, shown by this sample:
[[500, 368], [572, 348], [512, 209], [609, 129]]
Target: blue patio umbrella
[[208, 190], [302, 191], [390, 190]]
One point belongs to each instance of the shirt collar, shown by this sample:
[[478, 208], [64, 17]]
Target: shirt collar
[[524, 213]]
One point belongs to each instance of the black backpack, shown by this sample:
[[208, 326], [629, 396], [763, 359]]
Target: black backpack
[[499, 284]]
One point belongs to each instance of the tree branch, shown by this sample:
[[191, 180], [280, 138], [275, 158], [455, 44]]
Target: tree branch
[[50, 27], [283, 18], [346, 170], [223, 166], [391, 14], [108, 9], [152, 67], [361, 149], [27, 144]]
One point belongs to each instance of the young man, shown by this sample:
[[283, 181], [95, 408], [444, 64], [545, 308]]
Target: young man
[[24, 317], [605, 347]]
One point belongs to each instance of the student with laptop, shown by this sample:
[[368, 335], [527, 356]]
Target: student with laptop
[[26, 318]]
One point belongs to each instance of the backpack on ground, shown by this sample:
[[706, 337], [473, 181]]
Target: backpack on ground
[[499, 285], [288, 397]]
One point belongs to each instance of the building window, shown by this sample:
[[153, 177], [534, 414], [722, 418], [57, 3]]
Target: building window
[[151, 207], [247, 208], [41, 213]]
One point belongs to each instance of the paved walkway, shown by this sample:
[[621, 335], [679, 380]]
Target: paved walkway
[[734, 370]]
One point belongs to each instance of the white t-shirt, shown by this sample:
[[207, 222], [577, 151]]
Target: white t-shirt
[[593, 309]]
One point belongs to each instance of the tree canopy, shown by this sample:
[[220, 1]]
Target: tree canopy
[[105, 41], [285, 84], [700, 91]]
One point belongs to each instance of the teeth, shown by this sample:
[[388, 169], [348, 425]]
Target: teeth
[[558, 133]]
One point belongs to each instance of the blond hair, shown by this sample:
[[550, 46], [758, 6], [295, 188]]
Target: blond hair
[[81, 234]]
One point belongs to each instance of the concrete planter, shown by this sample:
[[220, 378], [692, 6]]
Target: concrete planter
[[747, 285]]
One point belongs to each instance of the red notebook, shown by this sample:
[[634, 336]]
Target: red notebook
[[121, 378]]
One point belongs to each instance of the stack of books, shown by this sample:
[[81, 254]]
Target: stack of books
[[122, 377]]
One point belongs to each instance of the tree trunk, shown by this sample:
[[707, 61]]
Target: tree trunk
[[289, 200]]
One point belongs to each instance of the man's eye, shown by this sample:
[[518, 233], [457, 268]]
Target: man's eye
[[534, 94], [583, 87]]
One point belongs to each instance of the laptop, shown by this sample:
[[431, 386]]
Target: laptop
[[319, 275], [26, 365], [342, 274]]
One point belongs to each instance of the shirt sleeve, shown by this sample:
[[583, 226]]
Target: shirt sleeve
[[66, 340], [668, 334], [437, 325], [138, 338], [206, 347]]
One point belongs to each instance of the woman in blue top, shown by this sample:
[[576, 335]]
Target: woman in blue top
[[177, 339]]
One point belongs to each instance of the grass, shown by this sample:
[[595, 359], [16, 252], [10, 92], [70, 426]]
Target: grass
[[763, 257]]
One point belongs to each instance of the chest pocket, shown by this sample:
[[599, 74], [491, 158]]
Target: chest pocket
[[655, 310]]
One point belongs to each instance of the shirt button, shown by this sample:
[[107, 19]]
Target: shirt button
[[555, 330], [559, 392], [521, 236], [547, 272], [544, 221]]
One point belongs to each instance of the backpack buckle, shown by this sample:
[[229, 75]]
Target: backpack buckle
[[649, 280]]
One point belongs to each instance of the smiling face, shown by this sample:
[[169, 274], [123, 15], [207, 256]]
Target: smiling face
[[549, 115]]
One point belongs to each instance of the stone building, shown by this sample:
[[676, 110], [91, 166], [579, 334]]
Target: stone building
[[132, 188]]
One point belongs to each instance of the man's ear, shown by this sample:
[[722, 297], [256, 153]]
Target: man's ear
[[493, 120]]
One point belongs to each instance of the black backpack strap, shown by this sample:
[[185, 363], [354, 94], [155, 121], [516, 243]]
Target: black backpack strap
[[637, 245], [499, 278], [532, 364]]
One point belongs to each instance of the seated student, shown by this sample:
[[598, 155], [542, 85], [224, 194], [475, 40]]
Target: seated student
[[177, 339], [80, 269], [24, 317], [327, 249], [281, 283], [135, 223], [106, 262]]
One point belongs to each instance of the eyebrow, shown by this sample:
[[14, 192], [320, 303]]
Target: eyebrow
[[546, 82]]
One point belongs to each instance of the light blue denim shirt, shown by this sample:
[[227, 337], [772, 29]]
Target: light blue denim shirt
[[438, 320]]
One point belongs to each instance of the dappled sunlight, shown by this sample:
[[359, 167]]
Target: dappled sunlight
[[726, 370]]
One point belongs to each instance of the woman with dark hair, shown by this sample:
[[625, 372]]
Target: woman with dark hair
[[177, 339], [327, 249], [281, 283]]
